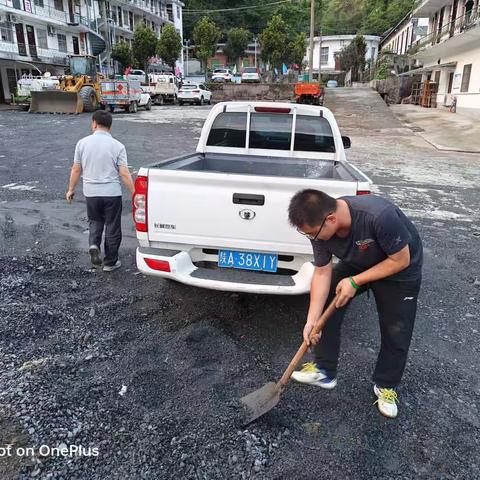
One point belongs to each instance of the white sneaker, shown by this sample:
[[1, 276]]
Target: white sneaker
[[111, 268], [310, 374], [387, 401]]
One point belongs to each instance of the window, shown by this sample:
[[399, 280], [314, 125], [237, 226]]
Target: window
[[373, 53], [42, 38], [228, 130], [62, 42], [38, 3], [467, 70], [270, 131], [178, 11], [58, 5], [130, 19], [6, 33], [313, 134], [120, 18], [324, 55]]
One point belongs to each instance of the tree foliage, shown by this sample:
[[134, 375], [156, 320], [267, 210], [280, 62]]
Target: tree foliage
[[274, 41], [205, 36], [169, 47], [353, 57], [122, 53], [297, 49], [380, 15], [237, 42], [144, 46]]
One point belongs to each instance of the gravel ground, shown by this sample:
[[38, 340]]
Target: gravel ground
[[144, 374]]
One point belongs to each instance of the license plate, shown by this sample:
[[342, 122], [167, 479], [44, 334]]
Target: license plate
[[264, 262]]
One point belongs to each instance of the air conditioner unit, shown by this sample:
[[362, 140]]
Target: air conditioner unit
[[51, 30]]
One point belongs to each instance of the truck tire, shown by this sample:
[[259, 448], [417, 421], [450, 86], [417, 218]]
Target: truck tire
[[133, 107], [111, 108], [89, 98], [180, 103]]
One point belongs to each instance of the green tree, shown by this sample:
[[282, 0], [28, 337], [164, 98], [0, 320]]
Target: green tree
[[274, 42], [380, 15], [237, 43], [122, 53], [205, 35], [169, 46], [297, 49], [353, 57], [144, 46], [342, 17]]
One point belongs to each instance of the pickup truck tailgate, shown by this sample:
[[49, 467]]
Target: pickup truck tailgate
[[221, 210]]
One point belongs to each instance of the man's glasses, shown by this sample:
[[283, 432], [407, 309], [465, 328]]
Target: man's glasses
[[310, 236]]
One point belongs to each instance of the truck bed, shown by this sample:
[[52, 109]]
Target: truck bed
[[262, 166]]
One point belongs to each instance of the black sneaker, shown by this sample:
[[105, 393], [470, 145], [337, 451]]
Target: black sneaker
[[94, 252]]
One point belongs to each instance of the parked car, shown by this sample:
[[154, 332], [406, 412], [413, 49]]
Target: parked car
[[138, 75], [222, 74], [332, 84], [194, 93], [251, 74], [218, 218]]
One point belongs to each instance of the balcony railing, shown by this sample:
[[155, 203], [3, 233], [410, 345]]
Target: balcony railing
[[449, 30], [147, 7], [47, 11], [47, 55]]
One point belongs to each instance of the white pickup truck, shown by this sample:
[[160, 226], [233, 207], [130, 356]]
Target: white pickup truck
[[218, 218]]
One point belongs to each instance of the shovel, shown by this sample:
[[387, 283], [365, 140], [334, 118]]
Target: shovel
[[264, 399]]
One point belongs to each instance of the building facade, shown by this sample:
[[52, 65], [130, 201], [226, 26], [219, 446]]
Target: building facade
[[400, 38], [39, 35], [450, 52], [326, 50]]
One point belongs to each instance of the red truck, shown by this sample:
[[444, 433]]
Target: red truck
[[309, 93]]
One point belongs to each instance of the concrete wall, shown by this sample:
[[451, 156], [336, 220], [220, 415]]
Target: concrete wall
[[262, 91]]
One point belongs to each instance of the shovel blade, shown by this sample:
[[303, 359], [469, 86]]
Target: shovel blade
[[260, 401]]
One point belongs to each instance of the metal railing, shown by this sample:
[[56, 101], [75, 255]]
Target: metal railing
[[455, 27]]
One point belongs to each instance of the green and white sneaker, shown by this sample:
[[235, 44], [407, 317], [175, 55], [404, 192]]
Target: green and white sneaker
[[310, 374], [387, 400]]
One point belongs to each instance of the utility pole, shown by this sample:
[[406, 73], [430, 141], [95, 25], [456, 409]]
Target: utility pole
[[320, 55], [106, 25], [255, 39], [312, 33]]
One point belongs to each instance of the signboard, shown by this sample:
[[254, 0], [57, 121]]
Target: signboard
[[457, 80], [28, 6]]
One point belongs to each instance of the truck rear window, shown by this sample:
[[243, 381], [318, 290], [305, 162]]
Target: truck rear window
[[313, 134], [228, 130], [271, 131]]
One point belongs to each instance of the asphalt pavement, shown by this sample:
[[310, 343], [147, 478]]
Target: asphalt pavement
[[148, 372]]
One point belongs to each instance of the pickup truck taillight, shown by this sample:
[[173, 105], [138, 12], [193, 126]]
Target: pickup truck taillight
[[363, 192], [139, 202]]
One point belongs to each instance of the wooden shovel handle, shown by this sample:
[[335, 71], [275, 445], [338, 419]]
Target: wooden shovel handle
[[304, 347]]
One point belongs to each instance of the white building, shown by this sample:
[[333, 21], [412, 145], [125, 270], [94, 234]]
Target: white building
[[40, 34], [123, 16], [401, 37], [450, 52], [331, 45]]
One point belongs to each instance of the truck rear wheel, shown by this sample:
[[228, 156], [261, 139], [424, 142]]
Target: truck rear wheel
[[133, 107], [89, 99]]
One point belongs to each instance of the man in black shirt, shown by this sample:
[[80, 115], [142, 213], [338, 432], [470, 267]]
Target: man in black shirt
[[379, 249]]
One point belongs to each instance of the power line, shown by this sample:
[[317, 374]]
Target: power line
[[221, 10]]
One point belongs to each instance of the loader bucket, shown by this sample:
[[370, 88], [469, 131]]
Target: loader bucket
[[56, 101]]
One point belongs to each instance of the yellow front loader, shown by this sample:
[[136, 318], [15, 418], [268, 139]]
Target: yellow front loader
[[77, 92]]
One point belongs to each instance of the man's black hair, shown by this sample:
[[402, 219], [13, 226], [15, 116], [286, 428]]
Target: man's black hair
[[103, 118], [310, 207]]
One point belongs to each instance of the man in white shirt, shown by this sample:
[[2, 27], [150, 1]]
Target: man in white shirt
[[102, 162]]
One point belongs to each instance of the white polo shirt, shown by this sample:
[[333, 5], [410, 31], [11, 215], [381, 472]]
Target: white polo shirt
[[100, 155]]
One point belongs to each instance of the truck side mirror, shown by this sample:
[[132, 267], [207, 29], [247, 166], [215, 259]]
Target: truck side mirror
[[347, 143]]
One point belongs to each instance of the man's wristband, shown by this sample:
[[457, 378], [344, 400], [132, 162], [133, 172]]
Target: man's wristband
[[353, 284]]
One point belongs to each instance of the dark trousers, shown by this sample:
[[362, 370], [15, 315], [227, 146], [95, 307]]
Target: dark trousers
[[105, 212], [396, 306]]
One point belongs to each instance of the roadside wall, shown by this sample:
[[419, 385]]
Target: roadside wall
[[223, 92]]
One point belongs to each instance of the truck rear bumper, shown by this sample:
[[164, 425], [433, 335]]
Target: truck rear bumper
[[178, 266]]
